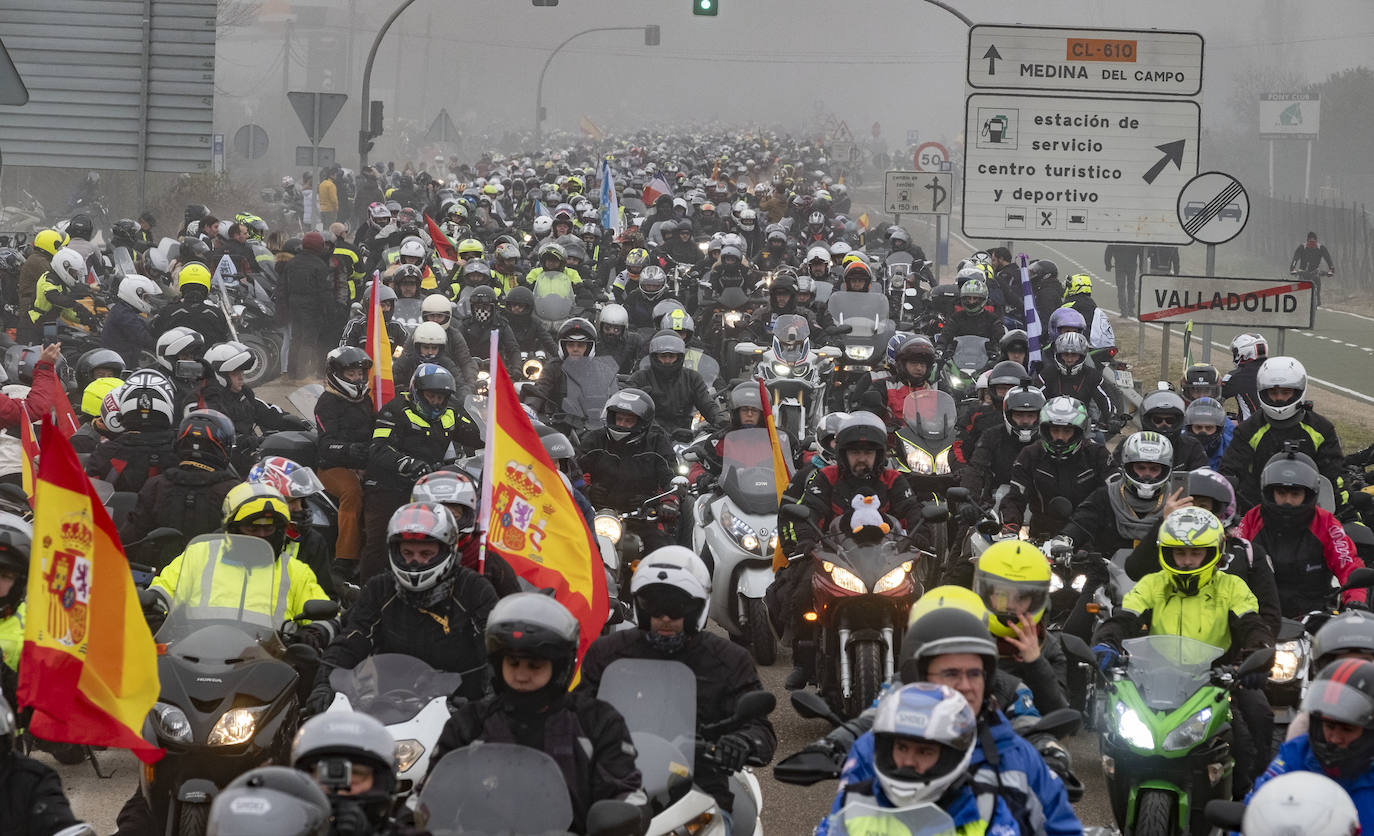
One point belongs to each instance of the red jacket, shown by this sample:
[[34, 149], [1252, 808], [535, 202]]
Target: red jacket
[[40, 400], [1338, 550]]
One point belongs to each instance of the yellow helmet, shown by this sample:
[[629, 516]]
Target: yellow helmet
[[1012, 579], [1190, 528], [1078, 283], [194, 274], [949, 597], [252, 500], [50, 241], [471, 245], [94, 394]]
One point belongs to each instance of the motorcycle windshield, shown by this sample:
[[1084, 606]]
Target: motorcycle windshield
[[658, 699], [392, 687], [747, 471], [930, 414], [866, 313], [589, 382], [791, 335], [408, 312], [970, 353], [486, 788], [224, 582], [866, 818], [705, 365], [1169, 669]]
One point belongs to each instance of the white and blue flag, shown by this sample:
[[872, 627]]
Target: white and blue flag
[[610, 201]]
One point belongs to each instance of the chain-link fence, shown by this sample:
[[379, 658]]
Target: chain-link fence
[[1276, 227]]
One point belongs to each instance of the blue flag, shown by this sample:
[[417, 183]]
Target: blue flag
[[610, 203], [540, 209], [1033, 328]]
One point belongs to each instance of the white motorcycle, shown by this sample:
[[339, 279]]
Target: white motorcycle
[[794, 373]]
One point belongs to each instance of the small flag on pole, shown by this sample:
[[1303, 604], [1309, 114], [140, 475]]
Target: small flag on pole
[[379, 349], [1033, 327]]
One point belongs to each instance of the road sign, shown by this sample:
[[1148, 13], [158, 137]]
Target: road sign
[[930, 156], [1289, 115], [1213, 207], [1225, 300], [1077, 169], [442, 129], [1151, 61], [841, 150], [316, 111], [913, 137], [918, 193], [305, 159]]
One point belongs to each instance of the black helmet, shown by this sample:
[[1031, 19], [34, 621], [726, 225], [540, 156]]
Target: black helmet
[[1008, 373], [124, 231], [918, 348], [16, 536], [1200, 380], [342, 359], [195, 212], [206, 437], [941, 631], [193, 249], [783, 285], [580, 330], [529, 624], [1013, 340], [520, 295], [1043, 268], [1344, 692], [94, 360], [270, 801], [1023, 399], [634, 402], [80, 226]]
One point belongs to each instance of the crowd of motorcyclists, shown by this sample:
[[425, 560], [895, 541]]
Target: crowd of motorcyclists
[[962, 550]]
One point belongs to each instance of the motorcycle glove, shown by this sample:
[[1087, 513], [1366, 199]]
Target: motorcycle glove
[[313, 635], [1254, 681], [682, 434], [1107, 656], [320, 699], [359, 450], [732, 751]]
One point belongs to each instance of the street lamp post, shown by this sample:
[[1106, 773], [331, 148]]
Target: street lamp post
[[651, 36], [366, 105], [951, 10]]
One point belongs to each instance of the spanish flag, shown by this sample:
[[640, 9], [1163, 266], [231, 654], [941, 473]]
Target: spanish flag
[[531, 519], [448, 254], [863, 221], [781, 473], [379, 349], [89, 666]]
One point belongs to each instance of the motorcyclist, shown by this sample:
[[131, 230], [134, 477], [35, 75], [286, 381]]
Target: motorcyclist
[[1070, 374], [640, 302], [297, 484], [1065, 463], [1163, 412], [194, 309], [127, 329], [1248, 352], [180, 353], [189, 495], [1131, 502], [1200, 380], [343, 417], [883, 392], [532, 643], [1046, 291], [1012, 577], [531, 335], [973, 316], [1078, 296], [144, 447], [46, 244], [629, 460], [628, 279], [57, 293], [1206, 422], [1349, 635], [671, 589], [355, 332], [576, 338], [782, 300], [615, 339], [351, 756], [225, 392], [1014, 346], [456, 491], [485, 317], [504, 264], [1285, 418], [424, 604], [410, 437], [308, 301], [731, 270], [746, 412], [428, 343], [993, 459], [1307, 544], [677, 392], [983, 416]]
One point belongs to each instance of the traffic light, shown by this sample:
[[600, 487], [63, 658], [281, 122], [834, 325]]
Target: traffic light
[[705, 7]]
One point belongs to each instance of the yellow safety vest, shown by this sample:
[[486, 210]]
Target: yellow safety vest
[[214, 588]]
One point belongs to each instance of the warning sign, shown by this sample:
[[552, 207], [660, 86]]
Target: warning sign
[[1225, 300]]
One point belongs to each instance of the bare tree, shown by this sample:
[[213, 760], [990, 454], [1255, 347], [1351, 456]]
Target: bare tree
[[231, 14]]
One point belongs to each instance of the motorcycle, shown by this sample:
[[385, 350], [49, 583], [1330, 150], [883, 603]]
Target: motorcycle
[[864, 346], [408, 697], [963, 363], [629, 548], [732, 527], [1166, 747], [658, 701], [796, 383], [926, 438], [407, 313], [728, 322], [588, 383], [248, 303], [861, 596], [228, 697]]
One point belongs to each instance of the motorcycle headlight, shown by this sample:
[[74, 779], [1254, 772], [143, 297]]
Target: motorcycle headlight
[[957, 382], [408, 751], [1079, 581], [1287, 660], [740, 531], [942, 462], [703, 245], [893, 579], [1056, 583], [782, 369], [235, 726], [173, 721], [732, 318], [609, 527], [532, 369], [483, 374], [1190, 733], [1133, 729], [918, 460], [858, 353], [844, 578]]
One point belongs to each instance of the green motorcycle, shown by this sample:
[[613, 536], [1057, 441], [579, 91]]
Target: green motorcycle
[[1166, 733]]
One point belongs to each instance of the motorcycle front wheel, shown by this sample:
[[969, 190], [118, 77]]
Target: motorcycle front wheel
[[866, 677], [759, 631], [266, 360], [1156, 814], [192, 819]]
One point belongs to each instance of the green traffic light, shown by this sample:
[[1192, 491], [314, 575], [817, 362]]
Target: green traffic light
[[704, 7]]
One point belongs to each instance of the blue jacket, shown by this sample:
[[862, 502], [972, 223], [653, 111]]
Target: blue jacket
[[1228, 430], [126, 333], [1296, 756], [1023, 773]]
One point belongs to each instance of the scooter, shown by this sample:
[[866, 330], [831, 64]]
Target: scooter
[[1166, 747], [407, 696]]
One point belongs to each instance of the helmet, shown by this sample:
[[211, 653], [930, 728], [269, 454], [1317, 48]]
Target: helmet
[[667, 344], [16, 536], [1281, 372], [1013, 579], [412, 247], [634, 402], [1146, 447], [975, 289], [1190, 528], [840, 249], [146, 401], [194, 275], [95, 360], [533, 625], [50, 241], [1070, 342], [450, 488], [506, 251], [1008, 373], [818, 254], [577, 330], [744, 396], [542, 226], [1247, 348], [1014, 340], [897, 235], [590, 230], [923, 711], [136, 291], [95, 393], [669, 580], [858, 268], [175, 342], [69, 267], [1342, 691], [1078, 283], [955, 627], [1162, 403], [430, 377], [1200, 380], [378, 212], [435, 303], [1063, 411], [429, 333], [636, 259], [470, 248], [425, 522], [859, 428], [1290, 469], [224, 358], [1207, 482], [292, 480], [1022, 399], [653, 281], [270, 801], [1350, 632], [1300, 802], [408, 273], [748, 219], [1063, 318], [329, 744], [1043, 268], [342, 359], [613, 315], [920, 349], [680, 321], [207, 437], [1206, 411], [248, 502], [195, 251]]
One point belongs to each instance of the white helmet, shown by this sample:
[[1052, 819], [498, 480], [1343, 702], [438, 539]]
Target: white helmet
[[679, 568], [136, 290], [227, 357], [840, 249], [613, 314], [734, 239], [817, 253], [1300, 802], [1284, 372], [543, 225], [69, 267], [429, 333], [412, 247], [436, 303], [1248, 347], [748, 218]]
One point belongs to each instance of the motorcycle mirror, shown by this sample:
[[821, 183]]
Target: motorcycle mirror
[[958, 495], [1061, 507], [1359, 579], [806, 768], [318, 609], [1060, 723], [163, 536], [297, 655], [987, 528], [1260, 660], [147, 598], [1224, 814], [935, 513], [813, 706], [754, 705], [1077, 649], [609, 817], [801, 513]]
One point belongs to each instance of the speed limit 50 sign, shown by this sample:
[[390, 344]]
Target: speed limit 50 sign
[[931, 156]]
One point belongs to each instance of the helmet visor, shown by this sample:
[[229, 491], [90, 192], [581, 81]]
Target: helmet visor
[[1340, 701], [1009, 600]]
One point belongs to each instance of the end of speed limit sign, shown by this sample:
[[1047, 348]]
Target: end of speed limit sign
[[931, 156]]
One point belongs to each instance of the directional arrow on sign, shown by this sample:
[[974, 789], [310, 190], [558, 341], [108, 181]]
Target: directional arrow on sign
[[1173, 153], [992, 55]]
